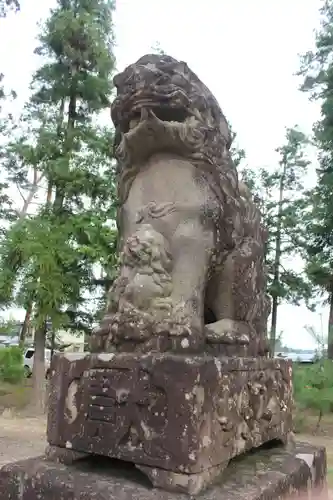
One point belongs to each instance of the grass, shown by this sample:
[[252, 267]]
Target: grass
[[328, 444], [305, 422], [330, 473], [15, 397]]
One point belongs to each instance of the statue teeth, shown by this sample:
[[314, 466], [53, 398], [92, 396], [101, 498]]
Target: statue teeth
[[144, 114]]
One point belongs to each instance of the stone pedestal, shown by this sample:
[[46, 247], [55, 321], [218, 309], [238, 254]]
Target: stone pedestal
[[179, 419], [264, 475]]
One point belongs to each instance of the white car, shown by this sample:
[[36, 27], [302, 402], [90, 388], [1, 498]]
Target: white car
[[298, 357], [28, 361]]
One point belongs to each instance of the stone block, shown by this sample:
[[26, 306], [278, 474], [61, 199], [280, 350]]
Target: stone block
[[268, 474], [173, 416]]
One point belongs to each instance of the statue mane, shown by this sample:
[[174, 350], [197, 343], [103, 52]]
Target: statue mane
[[161, 105], [182, 212]]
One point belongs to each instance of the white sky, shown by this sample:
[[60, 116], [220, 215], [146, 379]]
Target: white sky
[[245, 51]]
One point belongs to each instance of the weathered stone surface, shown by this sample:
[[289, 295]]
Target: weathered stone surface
[[180, 382], [183, 414], [266, 475], [64, 455], [192, 275]]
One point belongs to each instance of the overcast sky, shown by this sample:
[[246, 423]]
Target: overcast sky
[[245, 51]]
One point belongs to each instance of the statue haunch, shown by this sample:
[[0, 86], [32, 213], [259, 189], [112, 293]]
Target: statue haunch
[[191, 267]]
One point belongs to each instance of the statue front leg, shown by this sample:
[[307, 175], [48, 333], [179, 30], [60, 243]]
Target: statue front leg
[[139, 300], [191, 248], [159, 296]]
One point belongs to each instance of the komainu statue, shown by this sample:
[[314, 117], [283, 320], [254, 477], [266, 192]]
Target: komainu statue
[[191, 241], [178, 381]]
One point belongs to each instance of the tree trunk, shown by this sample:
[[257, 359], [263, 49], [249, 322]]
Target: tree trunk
[[32, 193], [277, 263], [49, 193], [60, 188], [273, 325], [86, 344], [53, 341], [38, 372], [25, 325], [330, 329]]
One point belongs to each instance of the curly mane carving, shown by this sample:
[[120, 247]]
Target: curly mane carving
[[176, 180]]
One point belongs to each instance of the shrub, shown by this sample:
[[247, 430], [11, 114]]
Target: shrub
[[299, 421], [11, 365], [313, 387]]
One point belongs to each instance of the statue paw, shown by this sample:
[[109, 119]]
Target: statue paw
[[179, 330], [102, 337], [228, 331], [163, 304]]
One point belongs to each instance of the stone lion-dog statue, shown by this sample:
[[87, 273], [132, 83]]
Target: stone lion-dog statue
[[192, 275]]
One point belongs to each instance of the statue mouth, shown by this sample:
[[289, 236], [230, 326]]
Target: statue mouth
[[155, 121], [146, 111]]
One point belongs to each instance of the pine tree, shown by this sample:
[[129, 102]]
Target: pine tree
[[317, 70], [7, 211], [280, 192], [286, 237], [51, 256]]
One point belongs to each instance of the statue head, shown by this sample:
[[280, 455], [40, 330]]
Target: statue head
[[162, 106]]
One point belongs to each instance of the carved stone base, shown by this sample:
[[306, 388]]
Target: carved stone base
[[63, 455], [191, 484], [184, 414], [159, 478], [273, 474]]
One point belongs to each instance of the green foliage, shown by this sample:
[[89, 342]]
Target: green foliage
[[157, 49], [237, 153], [77, 39], [313, 387], [317, 70], [320, 339], [11, 365], [279, 193], [7, 212], [283, 208], [50, 258], [8, 327]]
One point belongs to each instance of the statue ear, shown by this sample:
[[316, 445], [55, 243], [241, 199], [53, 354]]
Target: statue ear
[[118, 80]]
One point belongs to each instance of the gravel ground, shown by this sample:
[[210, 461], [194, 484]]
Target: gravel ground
[[21, 438], [24, 437]]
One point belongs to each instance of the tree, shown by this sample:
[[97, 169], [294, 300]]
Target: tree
[[237, 153], [286, 234], [313, 387], [319, 337], [279, 193], [157, 49], [9, 327], [7, 212], [317, 70], [51, 255], [7, 5]]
